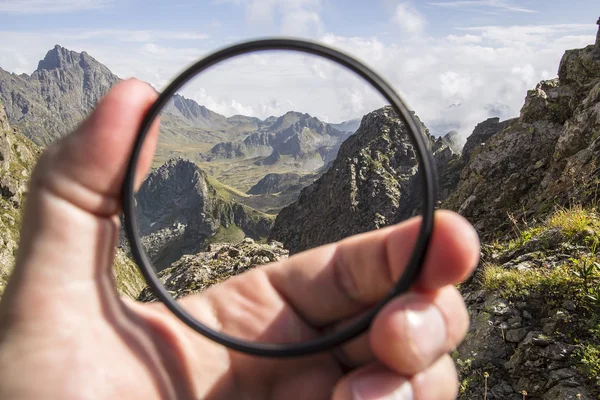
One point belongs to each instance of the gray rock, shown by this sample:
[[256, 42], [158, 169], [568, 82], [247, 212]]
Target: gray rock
[[516, 335]]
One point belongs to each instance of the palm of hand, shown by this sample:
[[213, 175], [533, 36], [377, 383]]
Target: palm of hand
[[65, 334]]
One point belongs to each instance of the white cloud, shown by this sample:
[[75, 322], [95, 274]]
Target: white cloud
[[50, 6], [293, 17], [140, 36], [409, 18], [487, 70], [503, 5]]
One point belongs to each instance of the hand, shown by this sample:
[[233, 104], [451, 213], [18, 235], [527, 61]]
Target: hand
[[66, 334]]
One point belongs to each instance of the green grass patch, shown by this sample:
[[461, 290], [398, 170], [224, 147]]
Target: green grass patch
[[558, 284], [574, 220]]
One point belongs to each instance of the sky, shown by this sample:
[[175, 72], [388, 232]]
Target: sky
[[455, 63]]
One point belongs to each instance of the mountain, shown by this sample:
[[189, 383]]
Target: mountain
[[180, 209], [57, 96], [18, 156], [547, 156], [530, 185], [372, 183], [293, 134], [66, 86], [350, 126]]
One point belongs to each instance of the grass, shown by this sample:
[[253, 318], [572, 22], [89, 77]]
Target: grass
[[558, 283], [225, 192], [588, 358], [576, 279], [574, 220]]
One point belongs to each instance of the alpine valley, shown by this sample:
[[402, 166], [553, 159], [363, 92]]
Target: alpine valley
[[227, 194]]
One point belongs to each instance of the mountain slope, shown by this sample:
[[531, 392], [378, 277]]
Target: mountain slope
[[180, 209], [350, 126], [18, 156]]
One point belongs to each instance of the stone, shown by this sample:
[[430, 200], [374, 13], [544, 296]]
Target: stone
[[516, 335], [569, 305], [558, 351]]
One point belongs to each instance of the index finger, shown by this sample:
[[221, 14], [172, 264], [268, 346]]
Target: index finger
[[337, 281]]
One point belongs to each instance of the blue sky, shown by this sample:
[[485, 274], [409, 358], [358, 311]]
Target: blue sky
[[479, 54]]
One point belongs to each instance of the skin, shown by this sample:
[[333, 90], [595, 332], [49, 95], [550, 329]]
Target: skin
[[66, 334]]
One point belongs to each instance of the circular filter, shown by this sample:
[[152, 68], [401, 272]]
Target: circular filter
[[210, 198]]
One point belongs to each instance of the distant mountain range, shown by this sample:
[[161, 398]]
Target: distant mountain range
[[66, 86]]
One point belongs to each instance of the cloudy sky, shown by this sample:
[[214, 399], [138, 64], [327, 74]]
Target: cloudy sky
[[455, 62]]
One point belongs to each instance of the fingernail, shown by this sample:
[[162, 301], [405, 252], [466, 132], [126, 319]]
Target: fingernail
[[426, 327], [382, 386]]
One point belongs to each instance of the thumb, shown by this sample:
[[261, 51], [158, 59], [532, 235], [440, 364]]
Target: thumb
[[70, 225]]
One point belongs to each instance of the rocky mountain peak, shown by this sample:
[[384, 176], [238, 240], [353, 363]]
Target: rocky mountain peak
[[373, 182], [57, 96], [59, 57], [453, 141]]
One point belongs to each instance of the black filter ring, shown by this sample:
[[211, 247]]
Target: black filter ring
[[426, 168]]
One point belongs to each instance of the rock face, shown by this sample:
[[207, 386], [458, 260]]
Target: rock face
[[57, 96], [179, 210], [372, 183], [194, 273], [546, 156]]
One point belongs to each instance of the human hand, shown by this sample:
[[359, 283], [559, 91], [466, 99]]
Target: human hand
[[66, 334]]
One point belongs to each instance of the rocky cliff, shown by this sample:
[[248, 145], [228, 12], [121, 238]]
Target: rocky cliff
[[18, 156], [56, 96], [373, 182], [545, 157], [534, 305], [179, 209]]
